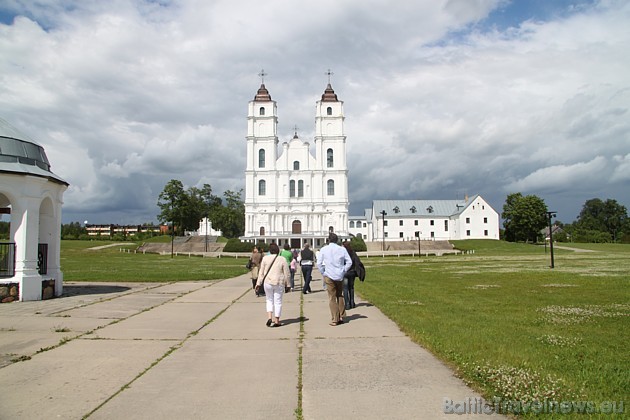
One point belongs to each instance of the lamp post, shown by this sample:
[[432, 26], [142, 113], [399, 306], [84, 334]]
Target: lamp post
[[419, 246], [551, 214], [383, 213]]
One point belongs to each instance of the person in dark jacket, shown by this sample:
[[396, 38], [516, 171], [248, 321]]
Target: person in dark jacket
[[349, 277], [306, 263]]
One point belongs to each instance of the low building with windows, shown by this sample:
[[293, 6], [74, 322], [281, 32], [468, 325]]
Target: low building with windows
[[440, 220]]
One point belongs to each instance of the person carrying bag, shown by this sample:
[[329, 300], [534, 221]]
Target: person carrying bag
[[273, 278]]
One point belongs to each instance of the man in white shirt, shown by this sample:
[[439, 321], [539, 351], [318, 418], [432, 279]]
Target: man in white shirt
[[333, 262]]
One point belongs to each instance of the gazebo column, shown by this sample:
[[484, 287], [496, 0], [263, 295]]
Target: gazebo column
[[25, 216]]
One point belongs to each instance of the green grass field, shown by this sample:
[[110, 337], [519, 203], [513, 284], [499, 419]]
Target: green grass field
[[506, 322]]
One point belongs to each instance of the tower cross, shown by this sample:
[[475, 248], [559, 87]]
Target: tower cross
[[329, 73], [262, 75]]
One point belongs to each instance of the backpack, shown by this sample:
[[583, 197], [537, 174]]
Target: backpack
[[359, 268]]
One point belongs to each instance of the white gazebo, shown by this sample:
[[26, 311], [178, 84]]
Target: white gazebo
[[31, 197]]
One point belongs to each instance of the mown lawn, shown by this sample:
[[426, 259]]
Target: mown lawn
[[80, 262], [510, 325]]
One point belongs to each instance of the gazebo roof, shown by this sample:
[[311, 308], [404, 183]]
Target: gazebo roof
[[19, 154]]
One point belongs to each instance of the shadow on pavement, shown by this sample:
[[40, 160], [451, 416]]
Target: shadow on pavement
[[78, 290]]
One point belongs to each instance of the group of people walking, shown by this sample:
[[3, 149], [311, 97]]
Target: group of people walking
[[274, 274]]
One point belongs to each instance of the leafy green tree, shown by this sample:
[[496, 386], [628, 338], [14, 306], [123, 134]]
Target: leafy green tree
[[172, 202], [524, 217], [73, 230], [230, 218], [607, 216]]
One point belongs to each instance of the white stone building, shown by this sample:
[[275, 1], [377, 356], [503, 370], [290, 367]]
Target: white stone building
[[292, 196], [31, 198], [441, 220]]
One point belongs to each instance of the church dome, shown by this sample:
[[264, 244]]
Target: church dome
[[19, 154], [329, 95], [263, 94]]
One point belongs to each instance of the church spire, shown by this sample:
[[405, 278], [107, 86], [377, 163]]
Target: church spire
[[329, 94], [263, 94]]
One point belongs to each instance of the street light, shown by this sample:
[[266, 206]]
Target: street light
[[383, 213], [551, 214], [419, 247]]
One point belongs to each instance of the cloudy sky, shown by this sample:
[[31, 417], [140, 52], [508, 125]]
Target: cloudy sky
[[442, 98]]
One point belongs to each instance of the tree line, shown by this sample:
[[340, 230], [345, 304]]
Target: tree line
[[526, 217], [182, 209]]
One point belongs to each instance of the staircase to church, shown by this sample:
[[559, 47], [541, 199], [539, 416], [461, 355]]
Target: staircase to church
[[183, 244]]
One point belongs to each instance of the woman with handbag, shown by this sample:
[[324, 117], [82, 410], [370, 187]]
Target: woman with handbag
[[254, 265], [273, 278]]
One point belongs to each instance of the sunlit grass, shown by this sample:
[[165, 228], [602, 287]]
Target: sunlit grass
[[79, 262], [512, 326]]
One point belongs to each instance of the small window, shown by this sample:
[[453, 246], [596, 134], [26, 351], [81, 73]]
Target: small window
[[261, 158], [413, 209], [446, 226], [296, 165], [400, 235], [385, 223], [432, 223], [262, 187], [415, 223], [430, 209], [352, 224], [329, 158], [433, 234], [400, 223], [364, 224], [261, 111], [467, 233], [485, 220], [291, 188], [262, 231], [331, 187], [396, 209], [468, 220], [485, 233], [386, 234], [417, 234], [300, 188], [329, 111]]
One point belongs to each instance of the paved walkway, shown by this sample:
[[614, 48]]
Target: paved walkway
[[201, 350]]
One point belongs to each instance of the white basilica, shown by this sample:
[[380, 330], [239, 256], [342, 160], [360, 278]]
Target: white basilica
[[292, 196]]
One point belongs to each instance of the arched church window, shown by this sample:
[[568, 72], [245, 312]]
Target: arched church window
[[261, 158], [262, 231], [296, 165], [300, 188], [262, 187], [329, 111], [352, 224], [291, 188], [329, 158], [262, 110], [331, 187]]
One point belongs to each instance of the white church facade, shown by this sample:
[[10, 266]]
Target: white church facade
[[291, 196]]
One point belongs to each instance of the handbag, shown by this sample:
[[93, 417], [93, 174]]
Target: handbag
[[249, 264], [262, 283]]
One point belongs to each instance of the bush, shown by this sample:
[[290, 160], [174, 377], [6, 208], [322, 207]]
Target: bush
[[235, 245], [358, 244]]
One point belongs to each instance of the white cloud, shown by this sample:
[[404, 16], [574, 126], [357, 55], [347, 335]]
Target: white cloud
[[127, 95]]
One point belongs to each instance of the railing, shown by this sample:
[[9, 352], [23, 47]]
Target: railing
[[7, 260], [42, 258]]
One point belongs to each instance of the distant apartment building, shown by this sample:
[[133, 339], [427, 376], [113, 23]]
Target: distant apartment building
[[124, 230]]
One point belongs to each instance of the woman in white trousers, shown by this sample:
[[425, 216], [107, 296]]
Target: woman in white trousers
[[275, 274]]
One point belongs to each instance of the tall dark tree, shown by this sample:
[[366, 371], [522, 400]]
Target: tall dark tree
[[524, 217], [230, 219], [603, 216], [172, 201]]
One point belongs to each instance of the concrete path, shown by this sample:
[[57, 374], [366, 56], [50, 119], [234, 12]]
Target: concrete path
[[201, 350]]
